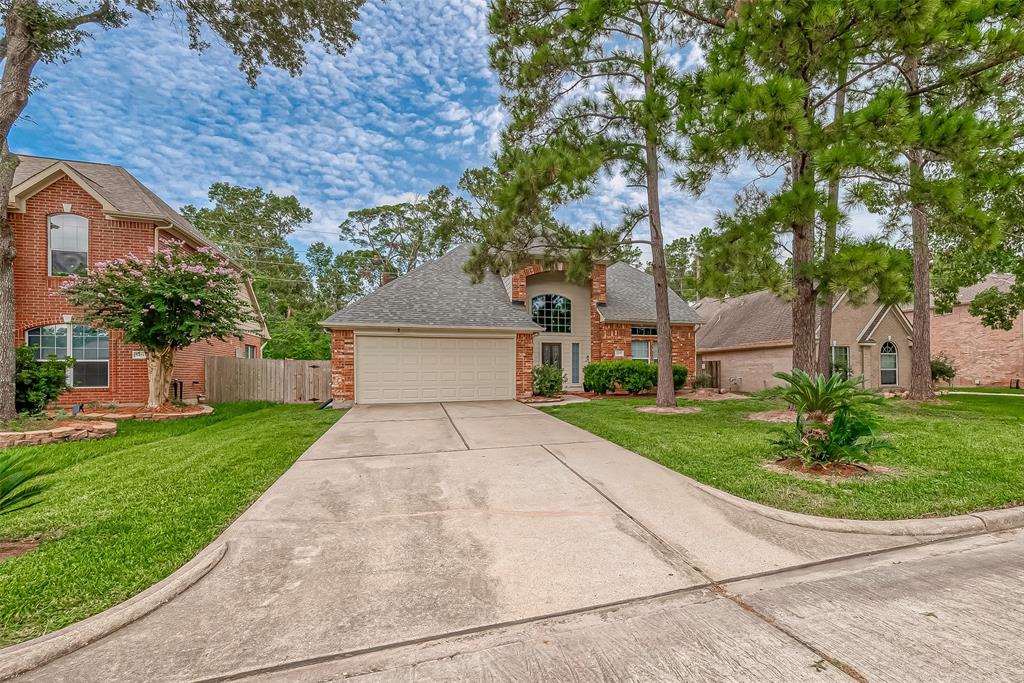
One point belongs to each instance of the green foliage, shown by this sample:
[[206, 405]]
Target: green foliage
[[172, 300], [942, 369], [38, 383], [702, 380], [634, 376], [679, 373], [548, 380], [819, 397], [19, 485], [299, 337]]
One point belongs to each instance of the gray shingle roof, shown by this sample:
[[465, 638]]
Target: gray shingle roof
[[631, 298], [438, 294], [748, 320], [118, 187]]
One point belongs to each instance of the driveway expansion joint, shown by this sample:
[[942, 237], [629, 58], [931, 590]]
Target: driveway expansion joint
[[455, 426]]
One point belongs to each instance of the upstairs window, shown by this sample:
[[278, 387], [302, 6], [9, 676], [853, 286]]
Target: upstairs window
[[553, 312], [644, 331], [88, 346], [69, 244]]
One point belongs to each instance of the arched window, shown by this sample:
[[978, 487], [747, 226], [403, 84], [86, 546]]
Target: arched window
[[69, 243], [553, 312], [88, 346], [889, 363]]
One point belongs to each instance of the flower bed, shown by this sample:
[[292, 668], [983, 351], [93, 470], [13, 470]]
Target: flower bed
[[66, 430]]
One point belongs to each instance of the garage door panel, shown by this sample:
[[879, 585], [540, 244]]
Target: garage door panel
[[416, 369]]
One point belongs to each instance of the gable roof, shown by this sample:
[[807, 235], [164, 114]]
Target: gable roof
[[119, 192], [631, 298], [755, 319], [439, 293]]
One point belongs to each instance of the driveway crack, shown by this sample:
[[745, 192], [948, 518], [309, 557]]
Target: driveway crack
[[455, 426]]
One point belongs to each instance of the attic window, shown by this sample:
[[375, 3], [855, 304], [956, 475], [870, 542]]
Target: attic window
[[644, 332], [553, 312], [69, 243]]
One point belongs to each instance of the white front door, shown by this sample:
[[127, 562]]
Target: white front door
[[410, 369]]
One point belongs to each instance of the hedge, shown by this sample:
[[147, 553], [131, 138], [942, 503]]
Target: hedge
[[634, 376]]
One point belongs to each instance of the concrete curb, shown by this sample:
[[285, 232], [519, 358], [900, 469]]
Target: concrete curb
[[24, 657], [976, 522]]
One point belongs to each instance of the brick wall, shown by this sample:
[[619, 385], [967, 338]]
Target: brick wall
[[343, 368], [519, 281], [38, 300], [980, 355], [684, 348], [524, 365]]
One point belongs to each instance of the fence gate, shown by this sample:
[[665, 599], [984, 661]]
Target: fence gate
[[257, 379]]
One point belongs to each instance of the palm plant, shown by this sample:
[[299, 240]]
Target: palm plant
[[18, 482], [820, 397]]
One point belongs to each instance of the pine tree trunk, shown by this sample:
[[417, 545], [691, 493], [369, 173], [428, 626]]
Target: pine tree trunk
[[828, 249], [804, 356], [921, 388], [160, 365], [666, 396], [19, 59]]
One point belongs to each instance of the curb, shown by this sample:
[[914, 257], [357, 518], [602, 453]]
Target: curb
[[24, 657], [975, 522]]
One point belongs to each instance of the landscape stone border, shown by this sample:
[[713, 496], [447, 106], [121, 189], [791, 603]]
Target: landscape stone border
[[146, 414], [82, 430]]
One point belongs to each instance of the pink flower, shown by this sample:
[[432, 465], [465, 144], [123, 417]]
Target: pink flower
[[196, 302]]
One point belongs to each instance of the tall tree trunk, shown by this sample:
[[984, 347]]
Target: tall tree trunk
[[19, 59], [828, 248], [666, 389], [804, 355], [160, 365], [921, 354]]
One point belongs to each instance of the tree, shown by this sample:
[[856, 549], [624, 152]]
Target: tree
[[396, 238], [165, 303], [259, 32], [681, 267], [590, 88]]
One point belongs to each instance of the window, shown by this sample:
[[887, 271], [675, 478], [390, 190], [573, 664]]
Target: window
[[645, 332], [553, 312], [841, 361], [645, 350], [89, 347], [575, 363], [69, 244], [551, 354], [250, 351], [888, 362]]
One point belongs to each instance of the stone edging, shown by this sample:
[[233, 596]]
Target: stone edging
[[24, 657], [143, 414], [93, 429], [975, 522]]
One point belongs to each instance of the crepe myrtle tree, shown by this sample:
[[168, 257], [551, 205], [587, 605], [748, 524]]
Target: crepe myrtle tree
[[258, 32], [165, 302]]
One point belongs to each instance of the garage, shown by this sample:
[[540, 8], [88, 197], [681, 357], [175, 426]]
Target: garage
[[410, 369]]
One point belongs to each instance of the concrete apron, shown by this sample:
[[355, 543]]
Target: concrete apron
[[407, 523]]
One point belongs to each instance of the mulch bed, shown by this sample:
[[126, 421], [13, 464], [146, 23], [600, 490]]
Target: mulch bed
[[678, 410], [167, 412], [773, 416], [833, 472], [9, 549]]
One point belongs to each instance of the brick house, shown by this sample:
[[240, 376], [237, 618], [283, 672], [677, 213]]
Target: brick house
[[981, 355], [434, 335], [70, 214], [745, 340]]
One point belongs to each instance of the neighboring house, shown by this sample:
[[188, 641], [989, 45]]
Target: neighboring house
[[71, 214], [745, 340], [981, 355], [433, 335]]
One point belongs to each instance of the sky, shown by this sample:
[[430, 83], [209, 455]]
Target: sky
[[410, 107]]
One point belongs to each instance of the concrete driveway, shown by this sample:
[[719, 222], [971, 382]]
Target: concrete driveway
[[408, 526]]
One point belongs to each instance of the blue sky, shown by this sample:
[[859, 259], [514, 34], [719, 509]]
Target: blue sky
[[409, 108]]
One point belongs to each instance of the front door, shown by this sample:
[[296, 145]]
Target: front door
[[551, 354]]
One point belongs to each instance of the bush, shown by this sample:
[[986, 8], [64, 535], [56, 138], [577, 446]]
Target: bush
[[38, 383], [547, 380], [942, 369], [18, 482], [634, 376], [702, 380], [679, 373]]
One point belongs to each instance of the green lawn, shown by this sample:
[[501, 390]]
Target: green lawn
[[965, 454], [985, 390], [125, 512]]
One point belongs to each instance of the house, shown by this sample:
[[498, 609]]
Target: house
[[981, 355], [434, 335], [70, 214], [746, 339]]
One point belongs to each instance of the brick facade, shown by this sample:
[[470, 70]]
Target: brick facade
[[38, 300], [524, 365], [982, 356], [343, 366]]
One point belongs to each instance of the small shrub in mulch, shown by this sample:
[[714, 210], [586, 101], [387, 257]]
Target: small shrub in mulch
[[677, 410]]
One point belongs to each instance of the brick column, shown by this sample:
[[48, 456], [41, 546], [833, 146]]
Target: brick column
[[524, 365], [343, 366]]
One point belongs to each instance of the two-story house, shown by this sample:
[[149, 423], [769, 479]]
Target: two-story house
[[434, 335], [71, 214]]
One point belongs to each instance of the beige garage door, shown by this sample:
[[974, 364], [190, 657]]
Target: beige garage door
[[415, 369]]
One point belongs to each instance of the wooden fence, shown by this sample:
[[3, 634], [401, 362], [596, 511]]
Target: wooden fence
[[281, 381]]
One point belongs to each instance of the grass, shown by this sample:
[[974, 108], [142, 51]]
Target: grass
[[27, 423], [961, 455], [985, 390], [123, 513]]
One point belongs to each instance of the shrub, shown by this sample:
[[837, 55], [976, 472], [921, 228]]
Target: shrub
[[819, 397], [547, 380], [942, 369], [18, 487], [38, 383], [702, 380], [634, 376], [679, 373]]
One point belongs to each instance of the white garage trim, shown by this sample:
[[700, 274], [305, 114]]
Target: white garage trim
[[417, 368]]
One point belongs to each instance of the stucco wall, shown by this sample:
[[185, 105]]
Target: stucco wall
[[553, 282], [848, 321]]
